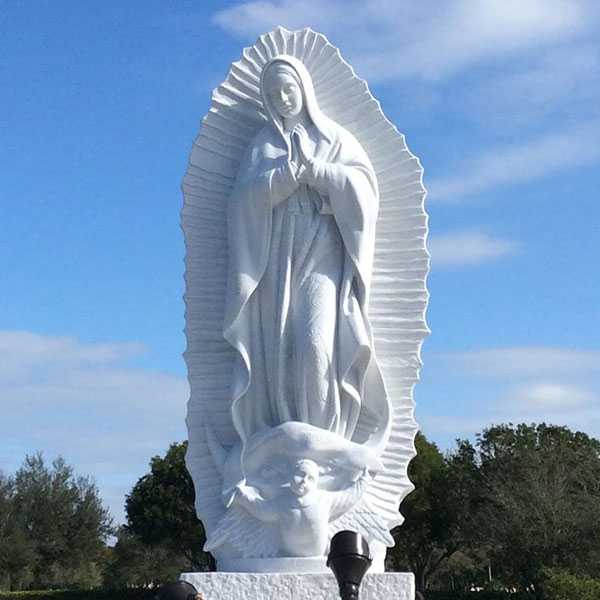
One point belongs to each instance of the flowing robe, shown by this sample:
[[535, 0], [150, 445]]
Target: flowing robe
[[300, 263]]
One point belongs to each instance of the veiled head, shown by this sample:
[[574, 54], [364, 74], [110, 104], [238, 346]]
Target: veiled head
[[288, 94], [283, 89]]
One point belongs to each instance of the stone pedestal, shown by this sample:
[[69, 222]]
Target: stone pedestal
[[297, 586]]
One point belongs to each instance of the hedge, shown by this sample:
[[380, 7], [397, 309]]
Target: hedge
[[130, 594], [149, 595], [476, 596], [561, 585]]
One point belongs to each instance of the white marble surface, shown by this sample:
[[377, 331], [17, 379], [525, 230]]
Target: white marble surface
[[290, 586], [305, 296], [300, 482]]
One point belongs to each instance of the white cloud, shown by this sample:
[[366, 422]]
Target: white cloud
[[540, 396], [392, 39], [467, 248], [474, 390], [450, 427], [560, 84], [524, 362], [250, 19], [548, 154], [576, 406], [23, 351], [62, 396]]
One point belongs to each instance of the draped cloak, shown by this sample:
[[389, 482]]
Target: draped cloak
[[300, 266]]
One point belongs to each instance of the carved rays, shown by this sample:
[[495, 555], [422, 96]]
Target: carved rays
[[398, 296]]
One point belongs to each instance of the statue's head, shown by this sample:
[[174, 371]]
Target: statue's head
[[288, 95], [305, 478], [283, 88]]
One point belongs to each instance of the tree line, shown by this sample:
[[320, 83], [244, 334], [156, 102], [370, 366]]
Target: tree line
[[513, 510], [508, 512], [53, 528]]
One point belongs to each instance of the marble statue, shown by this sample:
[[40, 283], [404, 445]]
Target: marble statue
[[305, 297], [302, 218], [301, 512]]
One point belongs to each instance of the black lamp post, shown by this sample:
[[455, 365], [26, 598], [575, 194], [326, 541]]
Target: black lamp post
[[180, 590], [349, 559]]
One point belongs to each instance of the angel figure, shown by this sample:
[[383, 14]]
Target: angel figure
[[303, 485], [301, 221], [302, 512]]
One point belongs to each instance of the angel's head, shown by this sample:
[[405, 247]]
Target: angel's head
[[283, 89], [305, 478]]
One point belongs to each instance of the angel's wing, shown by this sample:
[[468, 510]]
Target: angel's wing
[[236, 528], [398, 294], [363, 519]]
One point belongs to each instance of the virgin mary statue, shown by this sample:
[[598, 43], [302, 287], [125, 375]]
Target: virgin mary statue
[[301, 223], [305, 296]]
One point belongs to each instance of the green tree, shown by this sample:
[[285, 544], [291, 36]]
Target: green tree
[[437, 512], [16, 548], [134, 563], [562, 585], [540, 490], [55, 527], [160, 510]]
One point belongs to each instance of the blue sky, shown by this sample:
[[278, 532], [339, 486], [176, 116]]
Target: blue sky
[[100, 104]]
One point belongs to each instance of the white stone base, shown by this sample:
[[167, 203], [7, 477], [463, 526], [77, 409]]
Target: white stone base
[[296, 565], [300, 564], [297, 586]]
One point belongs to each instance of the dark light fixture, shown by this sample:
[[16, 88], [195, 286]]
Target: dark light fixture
[[349, 559], [180, 590]]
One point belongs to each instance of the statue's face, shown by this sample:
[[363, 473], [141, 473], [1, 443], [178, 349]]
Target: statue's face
[[285, 94], [305, 479]]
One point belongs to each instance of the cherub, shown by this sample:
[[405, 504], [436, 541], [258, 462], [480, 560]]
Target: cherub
[[299, 485], [302, 511]]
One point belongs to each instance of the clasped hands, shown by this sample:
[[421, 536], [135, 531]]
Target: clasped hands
[[304, 168]]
